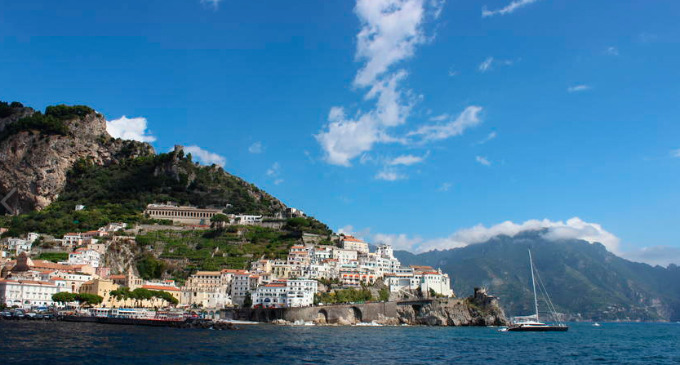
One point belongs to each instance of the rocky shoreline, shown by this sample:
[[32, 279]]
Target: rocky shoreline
[[480, 309]]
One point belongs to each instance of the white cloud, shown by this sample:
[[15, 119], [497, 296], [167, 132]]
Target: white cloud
[[274, 172], [407, 160], [483, 160], [612, 51], [467, 119], [675, 153], [508, 9], [256, 147], [390, 31], [445, 187], [129, 128], [397, 241], [440, 118], [488, 137], [574, 228], [578, 88], [388, 174], [485, 65], [489, 63], [655, 255], [212, 3], [349, 137], [205, 157], [348, 229]]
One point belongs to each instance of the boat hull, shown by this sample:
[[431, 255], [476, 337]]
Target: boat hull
[[538, 329]]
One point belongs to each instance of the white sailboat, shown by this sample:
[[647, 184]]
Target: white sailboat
[[532, 322]]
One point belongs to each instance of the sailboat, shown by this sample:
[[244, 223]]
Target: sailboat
[[532, 323]]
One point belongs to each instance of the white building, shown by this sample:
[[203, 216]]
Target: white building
[[437, 281], [286, 293], [72, 239], [271, 295], [245, 219], [32, 237], [345, 257], [27, 294], [113, 227], [301, 292], [243, 283], [18, 245], [84, 257], [353, 243]]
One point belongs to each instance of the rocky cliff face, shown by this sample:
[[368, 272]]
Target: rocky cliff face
[[480, 309], [36, 163]]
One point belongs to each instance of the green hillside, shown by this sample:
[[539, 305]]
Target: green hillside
[[120, 192]]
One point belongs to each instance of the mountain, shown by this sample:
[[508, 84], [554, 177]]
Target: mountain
[[38, 149], [584, 280], [64, 157]]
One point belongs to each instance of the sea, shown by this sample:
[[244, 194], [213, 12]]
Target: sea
[[26, 342]]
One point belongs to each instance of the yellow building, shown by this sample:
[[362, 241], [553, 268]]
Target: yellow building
[[104, 287]]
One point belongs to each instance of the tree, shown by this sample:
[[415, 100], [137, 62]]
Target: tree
[[165, 296], [150, 267], [248, 301], [63, 297], [384, 294], [142, 294], [88, 299], [219, 218], [219, 221], [121, 293]]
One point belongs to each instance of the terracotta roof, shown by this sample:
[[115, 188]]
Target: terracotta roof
[[116, 276], [352, 239], [160, 287], [43, 264], [56, 278]]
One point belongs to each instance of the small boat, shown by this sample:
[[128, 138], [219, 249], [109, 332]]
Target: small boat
[[596, 324], [532, 323]]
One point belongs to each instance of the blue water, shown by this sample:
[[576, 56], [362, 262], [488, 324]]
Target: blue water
[[58, 342]]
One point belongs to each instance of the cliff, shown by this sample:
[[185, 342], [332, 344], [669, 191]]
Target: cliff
[[480, 309], [37, 150]]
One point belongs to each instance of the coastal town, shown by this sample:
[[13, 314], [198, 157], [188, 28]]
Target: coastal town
[[314, 270]]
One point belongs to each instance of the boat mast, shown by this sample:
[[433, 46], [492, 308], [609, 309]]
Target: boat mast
[[533, 284]]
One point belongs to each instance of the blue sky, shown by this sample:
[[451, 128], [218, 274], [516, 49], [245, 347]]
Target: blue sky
[[424, 123]]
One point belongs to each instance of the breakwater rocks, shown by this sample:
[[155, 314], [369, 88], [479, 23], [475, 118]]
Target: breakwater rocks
[[480, 309], [188, 323]]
